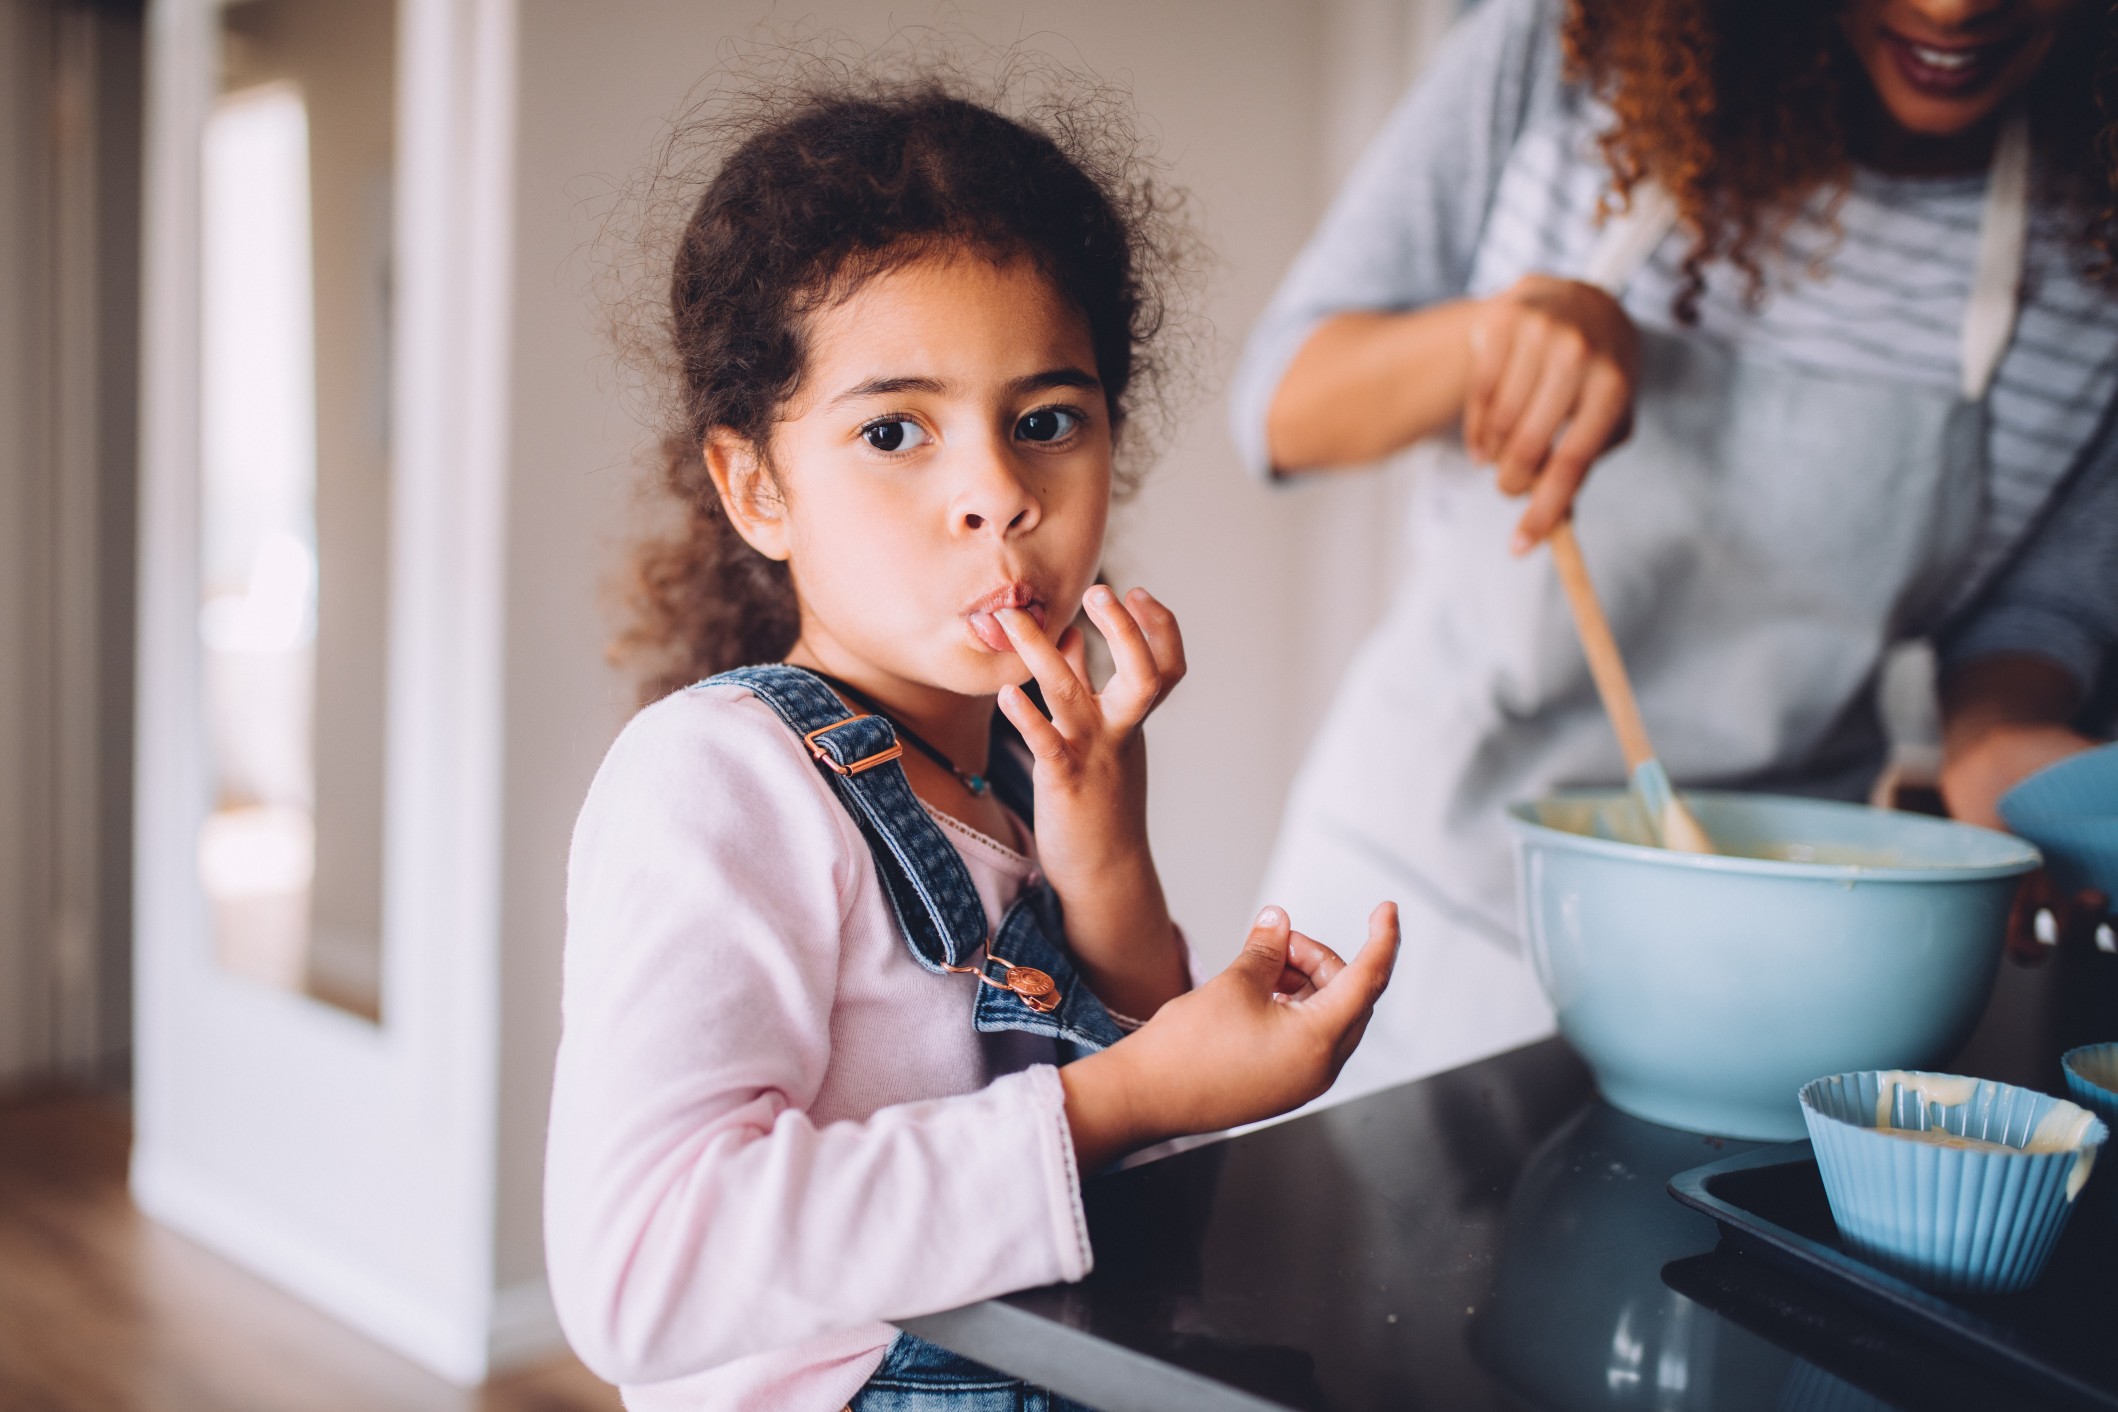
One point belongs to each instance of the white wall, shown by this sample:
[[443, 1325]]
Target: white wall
[[1234, 91]]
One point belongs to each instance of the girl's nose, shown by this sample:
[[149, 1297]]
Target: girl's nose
[[994, 498]]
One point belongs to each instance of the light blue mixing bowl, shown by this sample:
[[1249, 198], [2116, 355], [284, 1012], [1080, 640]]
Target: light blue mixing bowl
[[1705, 991]]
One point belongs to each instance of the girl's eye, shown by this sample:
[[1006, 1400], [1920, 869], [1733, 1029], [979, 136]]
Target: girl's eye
[[894, 434], [1048, 424]]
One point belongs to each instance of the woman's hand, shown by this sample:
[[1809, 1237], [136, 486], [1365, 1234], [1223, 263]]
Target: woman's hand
[[2004, 718], [1978, 772], [1553, 366], [1268, 1034], [1091, 778]]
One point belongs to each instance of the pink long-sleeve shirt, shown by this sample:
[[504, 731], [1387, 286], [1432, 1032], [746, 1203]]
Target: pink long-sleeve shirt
[[771, 1128]]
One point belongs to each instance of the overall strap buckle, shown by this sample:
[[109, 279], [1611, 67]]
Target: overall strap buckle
[[830, 761]]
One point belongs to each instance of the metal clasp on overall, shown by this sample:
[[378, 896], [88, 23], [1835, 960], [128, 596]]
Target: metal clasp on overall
[[865, 763], [1031, 986]]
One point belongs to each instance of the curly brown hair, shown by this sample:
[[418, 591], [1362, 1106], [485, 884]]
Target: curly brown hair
[[817, 184], [1741, 111]]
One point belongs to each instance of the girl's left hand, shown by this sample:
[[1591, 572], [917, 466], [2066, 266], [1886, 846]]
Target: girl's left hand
[[1091, 778]]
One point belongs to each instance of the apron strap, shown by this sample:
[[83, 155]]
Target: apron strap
[[1996, 284], [1628, 240], [1630, 237]]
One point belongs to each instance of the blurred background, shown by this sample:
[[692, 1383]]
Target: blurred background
[[314, 462]]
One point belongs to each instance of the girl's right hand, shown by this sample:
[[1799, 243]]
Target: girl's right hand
[[1550, 358], [1266, 1035]]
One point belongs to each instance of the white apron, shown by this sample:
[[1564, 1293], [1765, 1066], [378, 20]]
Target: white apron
[[1760, 541]]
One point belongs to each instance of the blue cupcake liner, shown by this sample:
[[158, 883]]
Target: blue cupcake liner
[[1952, 1219], [2092, 1079]]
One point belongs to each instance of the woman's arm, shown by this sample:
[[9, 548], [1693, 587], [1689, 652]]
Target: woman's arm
[[1541, 376], [2005, 718], [2015, 669], [1367, 384], [1370, 344], [1403, 231]]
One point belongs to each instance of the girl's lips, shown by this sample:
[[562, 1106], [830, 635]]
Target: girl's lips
[[988, 631], [984, 620], [1949, 71]]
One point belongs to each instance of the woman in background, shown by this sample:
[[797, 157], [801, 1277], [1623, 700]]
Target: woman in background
[[1821, 291]]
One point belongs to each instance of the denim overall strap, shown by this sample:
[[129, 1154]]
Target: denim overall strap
[[930, 890], [1028, 937]]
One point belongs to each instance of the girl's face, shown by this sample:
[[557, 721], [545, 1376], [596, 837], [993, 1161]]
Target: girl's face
[[1942, 67], [947, 454]]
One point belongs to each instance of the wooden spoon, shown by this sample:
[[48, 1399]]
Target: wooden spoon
[[1672, 822]]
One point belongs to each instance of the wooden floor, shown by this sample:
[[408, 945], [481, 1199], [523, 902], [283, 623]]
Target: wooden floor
[[101, 1310]]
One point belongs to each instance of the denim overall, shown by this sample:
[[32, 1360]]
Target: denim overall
[[1760, 541], [943, 923]]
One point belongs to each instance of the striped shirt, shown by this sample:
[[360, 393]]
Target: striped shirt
[[1489, 170]]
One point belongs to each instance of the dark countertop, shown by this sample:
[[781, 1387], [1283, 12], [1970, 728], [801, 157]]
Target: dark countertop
[[1491, 1237]]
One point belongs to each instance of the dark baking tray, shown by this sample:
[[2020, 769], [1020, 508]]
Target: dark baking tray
[[2061, 1334]]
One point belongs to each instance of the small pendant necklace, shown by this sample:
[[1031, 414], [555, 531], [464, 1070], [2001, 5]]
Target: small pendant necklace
[[976, 784]]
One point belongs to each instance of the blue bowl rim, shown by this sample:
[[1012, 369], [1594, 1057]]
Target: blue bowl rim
[[1809, 1109], [2066, 1064], [2029, 859]]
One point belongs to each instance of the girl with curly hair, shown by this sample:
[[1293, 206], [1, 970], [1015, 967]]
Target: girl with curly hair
[[834, 924], [1821, 290]]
